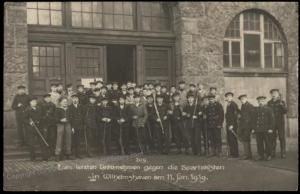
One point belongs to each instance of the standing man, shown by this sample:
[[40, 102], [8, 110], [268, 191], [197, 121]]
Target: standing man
[[76, 119], [33, 121], [182, 93], [215, 119], [245, 125], [190, 113], [54, 94], [264, 125], [83, 98], [213, 91], [231, 117], [92, 88], [19, 105], [279, 110], [48, 121], [150, 123]]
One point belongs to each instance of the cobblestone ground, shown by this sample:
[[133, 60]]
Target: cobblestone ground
[[234, 174]]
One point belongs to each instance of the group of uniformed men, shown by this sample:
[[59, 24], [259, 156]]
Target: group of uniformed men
[[146, 119]]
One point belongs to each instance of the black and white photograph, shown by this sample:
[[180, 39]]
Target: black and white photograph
[[150, 95]]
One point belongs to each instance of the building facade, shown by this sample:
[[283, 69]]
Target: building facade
[[244, 47]]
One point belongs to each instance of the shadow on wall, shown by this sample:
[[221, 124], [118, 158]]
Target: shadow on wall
[[9, 120]]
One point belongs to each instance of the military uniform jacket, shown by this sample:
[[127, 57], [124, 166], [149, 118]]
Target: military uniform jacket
[[91, 116], [115, 94], [122, 112], [162, 110], [83, 98], [77, 116], [231, 115], [263, 119], [176, 112], [246, 120], [48, 113], [61, 113], [104, 112], [150, 111], [190, 110], [215, 115], [279, 109], [23, 99], [33, 114], [141, 112], [182, 94]]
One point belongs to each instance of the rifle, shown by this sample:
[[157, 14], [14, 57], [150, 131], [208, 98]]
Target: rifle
[[38, 132], [195, 110], [103, 139], [120, 138], [157, 114]]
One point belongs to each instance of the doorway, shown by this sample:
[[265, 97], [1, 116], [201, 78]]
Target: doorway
[[120, 63]]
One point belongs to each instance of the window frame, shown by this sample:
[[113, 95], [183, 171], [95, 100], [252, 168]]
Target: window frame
[[262, 43]]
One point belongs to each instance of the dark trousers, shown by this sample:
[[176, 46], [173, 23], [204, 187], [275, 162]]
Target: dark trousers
[[215, 139], [122, 137], [163, 137], [32, 139], [195, 140], [247, 149], [205, 137], [104, 137], [280, 133], [76, 140], [150, 134], [141, 138], [263, 144], [91, 138], [20, 127], [51, 137], [181, 136], [232, 142]]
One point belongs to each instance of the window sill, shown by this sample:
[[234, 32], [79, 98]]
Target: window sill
[[255, 72]]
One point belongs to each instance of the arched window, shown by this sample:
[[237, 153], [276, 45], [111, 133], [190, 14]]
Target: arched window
[[253, 40]]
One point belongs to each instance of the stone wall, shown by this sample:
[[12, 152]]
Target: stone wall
[[200, 28], [15, 54]]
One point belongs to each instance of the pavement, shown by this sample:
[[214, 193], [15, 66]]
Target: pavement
[[152, 172]]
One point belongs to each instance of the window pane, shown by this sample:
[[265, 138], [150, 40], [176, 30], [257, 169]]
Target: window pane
[[278, 55], [127, 8], [147, 23], [57, 61], [32, 16], [87, 19], [226, 60], [108, 21], [268, 55], [43, 5], [44, 17], [49, 61], [236, 61], [146, 9], [49, 51], [128, 22], [118, 7], [56, 18], [55, 5], [252, 50], [97, 7], [118, 21], [76, 6], [35, 51], [31, 5], [235, 46], [42, 51], [42, 61], [76, 19], [56, 51], [97, 20], [35, 61], [87, 6], [35, 71], [108, 7]]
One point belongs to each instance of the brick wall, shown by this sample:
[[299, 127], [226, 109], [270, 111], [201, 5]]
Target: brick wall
[[15, 54], [200, 28]]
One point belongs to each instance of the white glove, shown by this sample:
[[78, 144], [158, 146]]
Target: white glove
[[200, 113], [270, 131], [73, 131], [230, 127], [195, 117]]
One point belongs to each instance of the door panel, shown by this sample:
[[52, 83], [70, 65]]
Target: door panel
[[46, 66], [157, 62], [89, 62]]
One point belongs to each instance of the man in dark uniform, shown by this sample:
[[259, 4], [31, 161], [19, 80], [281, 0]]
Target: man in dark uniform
[[181, 136], [91, 123], [203, 123], [161, 125], [122, 116], [115, 93], [190, 113], [165, 94], [83, 98], [77, 113], [104, 119], [215, 119], [279, 110], [150, 123], [123, 91], [231, 117], [109, 90], [245, 125], [192, 90], [20, 103], [92, 88], [263, 128], [96, 93], [33, 118], [49, 122]]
